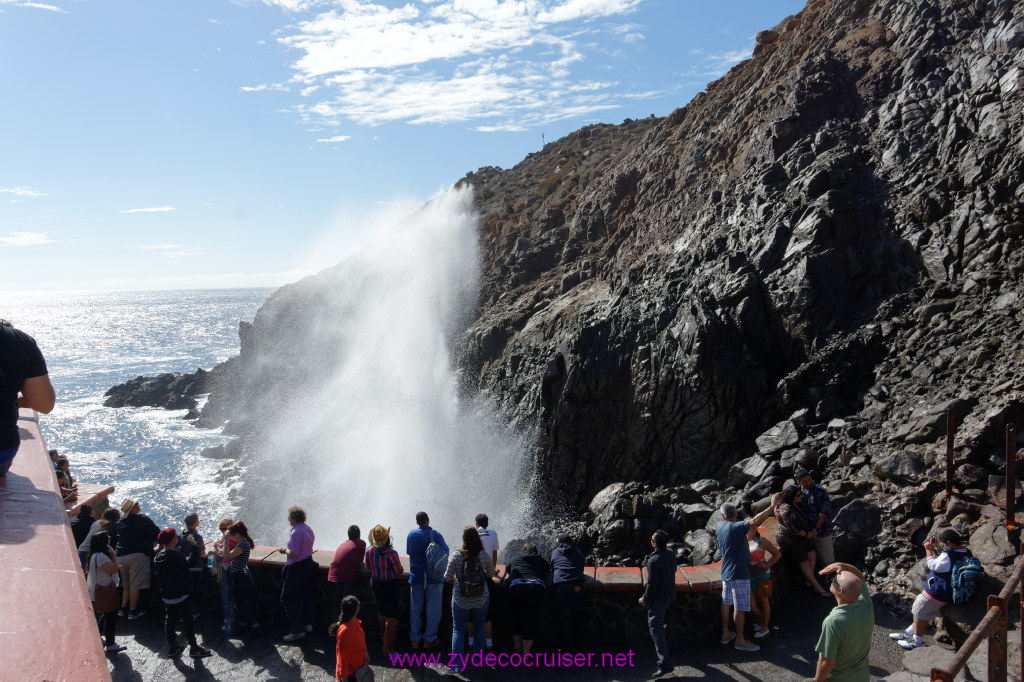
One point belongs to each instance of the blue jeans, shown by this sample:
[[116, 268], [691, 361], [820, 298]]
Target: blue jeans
[[460, 617], [430, 595], [225, 592], [7, 458], [659, 616]]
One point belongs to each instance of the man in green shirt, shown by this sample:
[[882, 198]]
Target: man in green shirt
[[846, 631]]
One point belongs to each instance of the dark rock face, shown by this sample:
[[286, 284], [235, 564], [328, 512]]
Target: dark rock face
[[171, 391]]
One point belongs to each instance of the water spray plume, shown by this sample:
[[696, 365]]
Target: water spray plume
[[375, 428]]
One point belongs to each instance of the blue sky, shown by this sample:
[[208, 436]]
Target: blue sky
[[220, 143]]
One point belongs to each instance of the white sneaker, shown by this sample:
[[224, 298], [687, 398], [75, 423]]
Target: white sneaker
[[899, 635], [292, 636], [761, 633], [910, 643]]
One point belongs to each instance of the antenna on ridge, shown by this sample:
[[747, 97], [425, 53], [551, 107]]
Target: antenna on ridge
[[542, 139]]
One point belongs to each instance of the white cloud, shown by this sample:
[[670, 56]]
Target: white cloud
[[263, 86], [504, 63], [22, 191], [215, 21], [26, 239], [39, 5], [152, 209], [336, 138], [168, 250], [158, 247]]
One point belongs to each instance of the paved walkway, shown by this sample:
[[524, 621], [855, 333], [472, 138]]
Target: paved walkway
[[787, 654]]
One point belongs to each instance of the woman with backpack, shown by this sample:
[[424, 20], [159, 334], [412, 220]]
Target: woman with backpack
[[469, 569]]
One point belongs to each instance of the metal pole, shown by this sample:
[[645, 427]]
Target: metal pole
[[1011, 475], [997, 641], [950, 432], [1021, 627]]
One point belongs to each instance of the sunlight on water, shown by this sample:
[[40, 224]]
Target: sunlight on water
[[93, 341]]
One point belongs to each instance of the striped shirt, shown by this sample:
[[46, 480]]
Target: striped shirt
[[383, 564], [239, 563]]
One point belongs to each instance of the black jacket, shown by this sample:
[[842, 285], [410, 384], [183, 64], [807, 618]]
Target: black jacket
[[136, 533], [661, 576], [172, 574], [80, 526]]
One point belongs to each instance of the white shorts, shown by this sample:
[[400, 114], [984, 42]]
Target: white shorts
[[925, 609], [736, 593]]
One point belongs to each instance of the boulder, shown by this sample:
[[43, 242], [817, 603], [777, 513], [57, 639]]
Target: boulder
[[776, 439], [702, 546], [856, 527], [901, 467], [750, 469], [992, 545], [605, 498]]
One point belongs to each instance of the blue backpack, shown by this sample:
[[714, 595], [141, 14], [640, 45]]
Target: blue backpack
[[435, 559], [964, 577]]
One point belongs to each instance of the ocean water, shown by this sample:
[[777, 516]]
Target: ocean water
[[93, 341]]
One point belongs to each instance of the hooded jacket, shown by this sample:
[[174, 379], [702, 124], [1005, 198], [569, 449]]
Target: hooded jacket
[[172, 575], [567, 563]]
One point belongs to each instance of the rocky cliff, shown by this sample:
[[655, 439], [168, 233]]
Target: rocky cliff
[[806, 265], [832, 229]]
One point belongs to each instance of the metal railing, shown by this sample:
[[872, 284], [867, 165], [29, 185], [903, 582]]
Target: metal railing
[[994, 625]]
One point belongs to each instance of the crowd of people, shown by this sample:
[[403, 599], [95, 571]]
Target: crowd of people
[[121, 549]]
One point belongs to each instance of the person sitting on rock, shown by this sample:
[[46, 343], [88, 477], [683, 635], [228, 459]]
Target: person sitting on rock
[[796, 537], [938, 589], [819, 512]]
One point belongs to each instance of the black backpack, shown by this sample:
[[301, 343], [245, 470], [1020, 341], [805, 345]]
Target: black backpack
[[472, 579]]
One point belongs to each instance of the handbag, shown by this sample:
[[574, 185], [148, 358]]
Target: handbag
[[364, 674], [106, 599]]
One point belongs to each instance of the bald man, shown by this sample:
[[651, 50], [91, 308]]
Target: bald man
[[846, 631]]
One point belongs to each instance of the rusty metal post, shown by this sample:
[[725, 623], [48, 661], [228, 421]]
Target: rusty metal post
[[1021, 628], [997, 641], [950, 432], [1011, 474]]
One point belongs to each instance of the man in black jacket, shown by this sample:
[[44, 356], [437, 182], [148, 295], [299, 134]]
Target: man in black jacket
[[136, 534], [567, 569], [659, 597], [175, 583]]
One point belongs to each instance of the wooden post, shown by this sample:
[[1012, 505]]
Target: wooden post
[[950, 432], [997, 641], [1011, 475]]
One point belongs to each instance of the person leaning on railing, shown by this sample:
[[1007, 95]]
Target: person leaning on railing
[[22, 370]]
